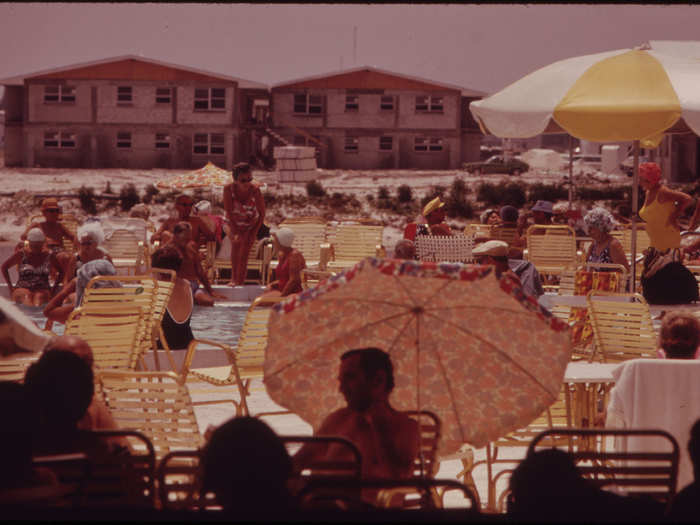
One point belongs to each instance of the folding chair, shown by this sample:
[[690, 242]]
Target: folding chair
[[558, 415], [439, 248], [156, 404], [105, 480], [354, 242], [622, 326], [114, 332], [553, 250], [127, 251], [632, 473]]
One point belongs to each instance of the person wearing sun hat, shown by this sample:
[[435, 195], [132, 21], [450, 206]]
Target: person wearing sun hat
[[664, 278], [495, 253], [434, 214]]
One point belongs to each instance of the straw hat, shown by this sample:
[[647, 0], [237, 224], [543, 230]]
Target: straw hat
[[49, 203], [433, 205]]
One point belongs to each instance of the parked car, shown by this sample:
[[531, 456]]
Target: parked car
[[497, 164]]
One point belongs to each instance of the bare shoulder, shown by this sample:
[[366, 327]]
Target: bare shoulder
[[334, 419]]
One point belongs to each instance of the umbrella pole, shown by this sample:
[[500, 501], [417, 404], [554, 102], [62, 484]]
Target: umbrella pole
[[635, 201], [571, 170]]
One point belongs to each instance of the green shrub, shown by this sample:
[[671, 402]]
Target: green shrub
[[315, 189], [128, 197], [459, 188], [269, 198], [108, 189], [615, 193], [459, 208], [512, 193], [86, 196], [150, 192], [383, 192], [434, 191], [547, 192], [404, 193]]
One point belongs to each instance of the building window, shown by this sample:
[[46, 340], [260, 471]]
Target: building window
[[124, 139], [387, 103], [55, 139], [164, 95], [162, 141], [352, 145], [352, 102], [386, 143], [59, 93], [124, 95], [308, 104], [429, 104], [428, 144], [209, 99], [208, 144]]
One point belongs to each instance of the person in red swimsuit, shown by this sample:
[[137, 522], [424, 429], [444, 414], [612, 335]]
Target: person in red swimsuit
[[434, 213], [291, 263], [245, 211]]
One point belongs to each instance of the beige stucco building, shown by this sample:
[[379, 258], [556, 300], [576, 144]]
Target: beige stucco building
[[367, 118], [131, 112]]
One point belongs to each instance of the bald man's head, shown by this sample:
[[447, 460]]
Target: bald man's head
[[74, 344]]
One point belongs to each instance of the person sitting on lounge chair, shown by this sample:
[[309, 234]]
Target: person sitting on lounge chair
[[387, 439], [434, 214]]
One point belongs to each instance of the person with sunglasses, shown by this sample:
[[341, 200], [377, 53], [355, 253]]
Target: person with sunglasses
[[245, 211]]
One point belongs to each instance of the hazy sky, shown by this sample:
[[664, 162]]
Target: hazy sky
[[483, 47]]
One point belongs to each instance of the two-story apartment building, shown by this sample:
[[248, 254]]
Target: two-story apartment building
[[131, 112], [368, 118]]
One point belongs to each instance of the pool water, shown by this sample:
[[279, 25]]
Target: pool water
[[221, 322]]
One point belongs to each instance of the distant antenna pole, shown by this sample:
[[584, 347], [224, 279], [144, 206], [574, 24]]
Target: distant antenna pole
[[341, 62], [354, 45]]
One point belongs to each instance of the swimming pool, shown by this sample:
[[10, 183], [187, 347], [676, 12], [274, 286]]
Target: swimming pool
[[221, 322]]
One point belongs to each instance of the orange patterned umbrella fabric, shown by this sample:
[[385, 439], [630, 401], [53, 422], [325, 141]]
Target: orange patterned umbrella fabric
[[205, 177], [465, 344]]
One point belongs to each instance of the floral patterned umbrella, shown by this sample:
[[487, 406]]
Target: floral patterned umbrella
[[205, 177], [471, 347]]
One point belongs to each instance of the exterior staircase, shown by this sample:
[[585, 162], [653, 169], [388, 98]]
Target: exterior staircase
[[276, 136]]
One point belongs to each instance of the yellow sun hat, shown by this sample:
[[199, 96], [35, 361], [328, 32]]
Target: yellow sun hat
[[433, 205]]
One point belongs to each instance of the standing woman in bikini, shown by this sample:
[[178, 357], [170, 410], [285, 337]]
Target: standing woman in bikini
[[245, 211]]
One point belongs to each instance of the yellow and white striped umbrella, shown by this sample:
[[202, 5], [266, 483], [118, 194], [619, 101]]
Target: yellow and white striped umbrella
[[616, 96]]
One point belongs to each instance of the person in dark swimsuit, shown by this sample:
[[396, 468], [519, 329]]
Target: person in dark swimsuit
[[178, 313], [34, 266]]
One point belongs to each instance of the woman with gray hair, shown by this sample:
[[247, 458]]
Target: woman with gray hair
[[90, 237], [605, 248]]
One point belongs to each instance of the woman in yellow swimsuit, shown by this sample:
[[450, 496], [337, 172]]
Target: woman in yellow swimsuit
[[664, 279]]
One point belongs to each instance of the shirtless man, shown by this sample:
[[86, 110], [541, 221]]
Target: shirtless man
[[191, 268], [183, 206], [54, 232], [388, 440]]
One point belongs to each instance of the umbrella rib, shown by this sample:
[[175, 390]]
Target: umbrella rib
[[408, 292], [462, 329]]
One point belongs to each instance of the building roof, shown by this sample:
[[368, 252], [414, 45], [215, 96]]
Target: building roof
[[135, 66], [684, 48], [369, 77]]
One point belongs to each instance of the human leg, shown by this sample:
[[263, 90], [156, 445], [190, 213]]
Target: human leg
[[40, 297]]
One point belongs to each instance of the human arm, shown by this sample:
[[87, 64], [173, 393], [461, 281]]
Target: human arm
[[617, 253], [193, 253], [60, 277], [55, 310], [680, 200], [10, 262], [310, 453], [228, 201], [205, 230], [67, 234], [260, 205]]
